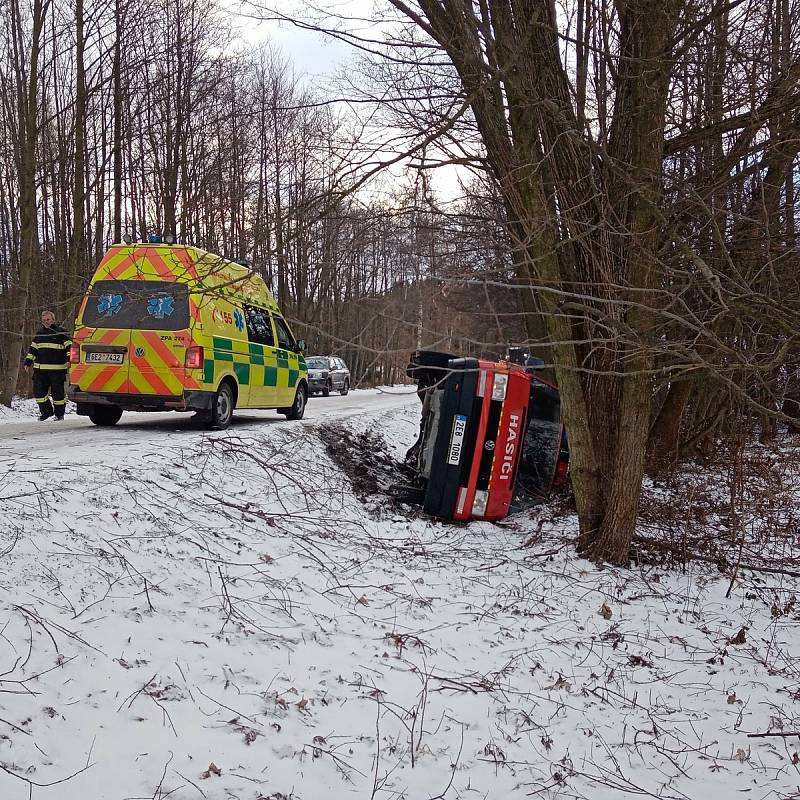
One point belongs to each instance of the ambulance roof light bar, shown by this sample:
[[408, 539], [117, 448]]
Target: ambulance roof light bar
[[153, 238]]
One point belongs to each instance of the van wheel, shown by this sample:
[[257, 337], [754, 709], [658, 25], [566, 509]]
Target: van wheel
[[105, 416], [327, 390], [428, 368], [345, 388], [428, 358], [298, 406], [222, 407]]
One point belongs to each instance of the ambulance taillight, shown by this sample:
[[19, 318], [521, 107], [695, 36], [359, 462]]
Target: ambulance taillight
[[194, 357], [74, 354]]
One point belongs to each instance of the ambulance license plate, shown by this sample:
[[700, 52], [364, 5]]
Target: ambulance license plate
[[457, 439], [105, 358]]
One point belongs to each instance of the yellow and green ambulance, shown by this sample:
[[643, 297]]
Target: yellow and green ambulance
[[167, 326]]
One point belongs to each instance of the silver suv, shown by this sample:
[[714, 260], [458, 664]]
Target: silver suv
[[326, 373]]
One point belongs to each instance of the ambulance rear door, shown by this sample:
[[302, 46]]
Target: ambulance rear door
[[103, 337], [160, 337]]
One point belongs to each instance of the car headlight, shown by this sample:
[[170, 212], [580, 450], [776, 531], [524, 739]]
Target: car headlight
[[479, 503], [500, 386]]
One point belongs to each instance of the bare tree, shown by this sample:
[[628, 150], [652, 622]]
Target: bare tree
[[24, 40]]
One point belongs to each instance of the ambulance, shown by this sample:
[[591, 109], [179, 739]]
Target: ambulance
[[172, 327]]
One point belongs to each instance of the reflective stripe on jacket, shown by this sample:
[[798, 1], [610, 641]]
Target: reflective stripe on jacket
[[49, 349]]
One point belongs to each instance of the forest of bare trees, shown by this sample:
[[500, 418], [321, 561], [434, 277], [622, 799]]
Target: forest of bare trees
[[142, 117], [629, 207]]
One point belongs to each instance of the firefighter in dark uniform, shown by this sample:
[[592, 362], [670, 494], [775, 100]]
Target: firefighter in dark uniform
[[49, 358]]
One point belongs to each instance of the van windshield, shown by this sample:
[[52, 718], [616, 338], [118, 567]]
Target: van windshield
[[138, 305]]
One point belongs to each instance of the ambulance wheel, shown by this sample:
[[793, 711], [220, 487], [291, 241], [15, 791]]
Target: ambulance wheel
[[345, 388], [105, 416], [327, 390], [222, 407], [298, 406]]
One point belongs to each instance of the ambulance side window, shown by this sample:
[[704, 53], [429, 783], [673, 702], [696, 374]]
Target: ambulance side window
[[285, 338], [259, 328]]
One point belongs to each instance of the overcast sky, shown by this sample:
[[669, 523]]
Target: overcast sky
[[312, 54], [317, 57]]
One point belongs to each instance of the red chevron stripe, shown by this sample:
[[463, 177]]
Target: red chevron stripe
[[187, 262], [166, 355], [121, 268], [161, 267]]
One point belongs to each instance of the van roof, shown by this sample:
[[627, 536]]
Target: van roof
[[184, 264]]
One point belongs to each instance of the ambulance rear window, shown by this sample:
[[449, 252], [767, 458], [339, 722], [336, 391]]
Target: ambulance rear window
[[137, 305]]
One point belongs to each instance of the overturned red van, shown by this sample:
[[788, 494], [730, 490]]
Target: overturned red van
[[490, 435]]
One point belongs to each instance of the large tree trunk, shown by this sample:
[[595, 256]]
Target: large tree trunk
[[666, 429]]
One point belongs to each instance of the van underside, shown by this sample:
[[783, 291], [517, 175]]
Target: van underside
[[189, 401]]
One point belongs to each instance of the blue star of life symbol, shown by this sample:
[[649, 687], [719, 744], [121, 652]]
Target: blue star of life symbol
[[160, 307], [238, 319], [109, 304]]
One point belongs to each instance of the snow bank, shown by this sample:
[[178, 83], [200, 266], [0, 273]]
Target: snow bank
[[24, 409], [193, 615]]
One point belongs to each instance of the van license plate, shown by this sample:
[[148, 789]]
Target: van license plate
[[105, 358], [457, 439]]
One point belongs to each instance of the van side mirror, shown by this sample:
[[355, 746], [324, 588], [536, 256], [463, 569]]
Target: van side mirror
[[301, 345]]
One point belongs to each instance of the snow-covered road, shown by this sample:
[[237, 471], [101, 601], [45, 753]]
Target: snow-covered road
[[22, 434]]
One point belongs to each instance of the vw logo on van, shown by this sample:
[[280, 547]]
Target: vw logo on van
[[140, 352]]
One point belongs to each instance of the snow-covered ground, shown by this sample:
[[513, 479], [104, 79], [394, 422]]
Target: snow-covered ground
[[188, 614]]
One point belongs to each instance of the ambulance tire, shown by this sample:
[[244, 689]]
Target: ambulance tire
[[345, 388], [298, 407], [105, 416], [222, 407]]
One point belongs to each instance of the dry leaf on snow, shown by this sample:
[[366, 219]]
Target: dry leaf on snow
[[213, 769], [740, 637]]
